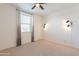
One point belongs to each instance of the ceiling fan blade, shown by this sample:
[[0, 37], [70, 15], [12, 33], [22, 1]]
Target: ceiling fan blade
[[33, 6], [41, 7]]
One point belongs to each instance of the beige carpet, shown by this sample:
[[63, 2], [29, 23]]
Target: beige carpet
[[41, 48]]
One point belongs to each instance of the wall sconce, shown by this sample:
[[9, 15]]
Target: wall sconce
[[45, 26], [67, 25]]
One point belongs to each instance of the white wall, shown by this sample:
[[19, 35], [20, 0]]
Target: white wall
[[38, 27], [7, 26], [55, 31]]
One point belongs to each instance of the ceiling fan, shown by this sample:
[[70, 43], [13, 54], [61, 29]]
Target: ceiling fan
[[38, 5]]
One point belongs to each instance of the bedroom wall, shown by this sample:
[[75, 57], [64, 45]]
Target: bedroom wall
[[55, 31], [38, 27], [7, 26]]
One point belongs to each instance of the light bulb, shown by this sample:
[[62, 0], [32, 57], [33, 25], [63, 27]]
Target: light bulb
[[37, 5]]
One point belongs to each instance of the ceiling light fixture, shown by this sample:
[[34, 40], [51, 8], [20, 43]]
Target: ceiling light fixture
[[38, 5]]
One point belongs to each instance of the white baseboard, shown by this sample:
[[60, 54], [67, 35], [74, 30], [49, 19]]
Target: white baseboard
[[61, 43]]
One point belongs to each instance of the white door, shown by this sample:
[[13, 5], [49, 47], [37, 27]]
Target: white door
[[26, 27]]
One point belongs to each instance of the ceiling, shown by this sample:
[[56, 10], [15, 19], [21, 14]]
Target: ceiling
[[49, 7]]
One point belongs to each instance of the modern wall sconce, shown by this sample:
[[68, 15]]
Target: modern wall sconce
[[67, 25], [45, 26]]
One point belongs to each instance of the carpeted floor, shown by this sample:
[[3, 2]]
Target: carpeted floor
[[41, 48]]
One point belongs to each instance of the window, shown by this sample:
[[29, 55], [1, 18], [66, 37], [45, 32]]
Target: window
[[26, 21]]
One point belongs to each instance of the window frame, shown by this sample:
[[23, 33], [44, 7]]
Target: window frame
[[25, 14]]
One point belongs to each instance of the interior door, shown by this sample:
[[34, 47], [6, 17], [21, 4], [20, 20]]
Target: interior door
[[26, 27]]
